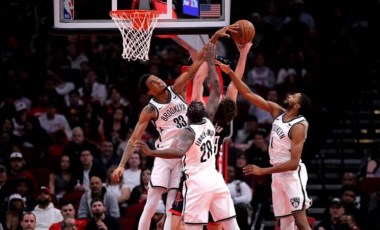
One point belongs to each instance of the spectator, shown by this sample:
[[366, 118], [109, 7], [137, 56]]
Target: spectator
[[28, 221], [87, 169], [333, 220], [132, 174], [245, 133], [24, 187], [97, 191], [349, 222], [116, 101], [139, 193], [51, 121], [264, 118], [241, 195], [7, 146], [11, 217], [68, 223], [117, 189], [77, 144], [35, 136], [45, 212], [241, 160], [62, 179], [19, 119], [260, 77], [114, 125], [5, 188], [17, 169], [68, 211], [348, 198], [100, 219], [98, 90], [107, 156]]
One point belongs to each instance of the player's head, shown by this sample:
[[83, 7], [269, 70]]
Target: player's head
[[226, 111], [151, 84], [196, 111], [298, 101]]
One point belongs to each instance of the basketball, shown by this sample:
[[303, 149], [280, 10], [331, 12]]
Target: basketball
[[245, 33]]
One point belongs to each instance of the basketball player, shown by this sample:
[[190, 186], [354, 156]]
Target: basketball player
[[226, 111], [204, 188], [289, 175], [167, 110]]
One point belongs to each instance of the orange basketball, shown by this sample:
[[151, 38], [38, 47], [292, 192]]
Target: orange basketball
[[245, 34]]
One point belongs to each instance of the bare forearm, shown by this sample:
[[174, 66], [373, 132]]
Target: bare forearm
[[290, 165], [169, 153], [128, 150]]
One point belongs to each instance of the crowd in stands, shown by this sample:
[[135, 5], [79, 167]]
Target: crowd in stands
[[68, 105]]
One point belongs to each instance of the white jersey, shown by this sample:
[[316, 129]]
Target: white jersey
[[171, 117], [280, 142], [201, 155]]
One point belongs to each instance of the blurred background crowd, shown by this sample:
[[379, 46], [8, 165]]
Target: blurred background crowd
[[68, 104]]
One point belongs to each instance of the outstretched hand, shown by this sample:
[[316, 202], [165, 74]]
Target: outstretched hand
[[224, 32], [225, 68], [244, 48], [253, 169]]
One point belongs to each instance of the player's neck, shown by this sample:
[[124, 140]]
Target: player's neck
[[163, 97], [289, 115]]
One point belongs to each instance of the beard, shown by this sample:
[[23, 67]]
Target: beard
[[97, 214], [44, 202]]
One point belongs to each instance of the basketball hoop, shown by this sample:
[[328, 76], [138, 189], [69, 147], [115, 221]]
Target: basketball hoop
[[136, 27]]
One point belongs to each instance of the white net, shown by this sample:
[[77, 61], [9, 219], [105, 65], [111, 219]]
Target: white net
[[136, 27]]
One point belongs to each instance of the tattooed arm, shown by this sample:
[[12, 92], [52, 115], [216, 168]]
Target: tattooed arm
[[147, 114]]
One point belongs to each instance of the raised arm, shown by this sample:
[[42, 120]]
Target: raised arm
[[213, 100], [246, 92], [232, 91], [148, 113], [186, 139], [181, 82]]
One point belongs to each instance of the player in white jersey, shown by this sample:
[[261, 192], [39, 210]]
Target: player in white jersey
[[165, 106], [204, 188], [289, 176], [223, 110]]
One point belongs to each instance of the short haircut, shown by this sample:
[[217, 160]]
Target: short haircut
[[96, 200], [28, 213], [305, 103], [226, 111], [142, 83], [196, 111]]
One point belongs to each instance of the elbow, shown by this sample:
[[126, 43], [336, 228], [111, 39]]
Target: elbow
[[293, 166]]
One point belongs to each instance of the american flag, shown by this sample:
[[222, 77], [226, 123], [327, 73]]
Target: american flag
[[209, 10]]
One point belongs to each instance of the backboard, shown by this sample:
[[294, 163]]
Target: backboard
[[176, 16]]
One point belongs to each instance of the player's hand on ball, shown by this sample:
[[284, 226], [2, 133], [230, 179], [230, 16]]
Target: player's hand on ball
[[253, 169]]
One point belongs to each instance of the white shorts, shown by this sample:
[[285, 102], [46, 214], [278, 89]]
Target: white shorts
[[204, 193], [166, 173], [289, 191]]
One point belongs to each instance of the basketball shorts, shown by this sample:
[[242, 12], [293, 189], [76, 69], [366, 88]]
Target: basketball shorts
[[204, 193], [289, 191], [166, 173]]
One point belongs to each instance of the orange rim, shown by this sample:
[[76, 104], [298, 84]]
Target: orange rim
[[125, 14]]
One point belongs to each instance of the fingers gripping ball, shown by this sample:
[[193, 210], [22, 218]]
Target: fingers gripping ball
[[245, 34]]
